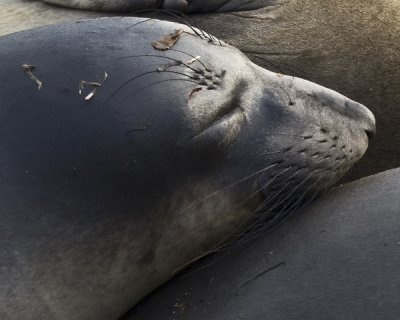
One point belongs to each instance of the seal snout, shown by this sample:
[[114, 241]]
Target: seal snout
[[370, 133], [349, 109], [370, 128], [364, 116]]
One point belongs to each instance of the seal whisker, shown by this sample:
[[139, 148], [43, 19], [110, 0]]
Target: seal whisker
[[238, 237], [219, 258], [291, 103], [194, 57], [299, 204], [158, 82], [274, 195], [140, 22], [192, 22], [189, 22], [270, 153], [286, 150], [276, 205], [297, 187], [258, 54], [252, 230], [290, 69], [267, 184], [277, 68], [230, 186], [169, 12], [178, 62], [286, 135], [277, 215], [145, 74], [208, 35]]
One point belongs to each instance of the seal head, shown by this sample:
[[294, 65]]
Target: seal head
[[187, 6]]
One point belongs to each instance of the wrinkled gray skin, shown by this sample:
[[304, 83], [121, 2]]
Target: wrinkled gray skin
[[104, 200], [350, 46], [338, 259], [187, 6]]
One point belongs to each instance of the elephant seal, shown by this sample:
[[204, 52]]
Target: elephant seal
[[187, 6], [338, 259], [350, 46], [122, 163]]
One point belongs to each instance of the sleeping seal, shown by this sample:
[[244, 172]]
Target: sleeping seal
[[349, 46], [122, 163]]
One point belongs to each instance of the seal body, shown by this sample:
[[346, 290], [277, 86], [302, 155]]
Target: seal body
[[122, 163], [187, 6], [336, 260]]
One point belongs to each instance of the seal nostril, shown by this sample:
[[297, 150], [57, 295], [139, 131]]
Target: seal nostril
[[370, 134]]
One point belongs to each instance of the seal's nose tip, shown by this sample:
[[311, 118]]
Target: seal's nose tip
[[370, 123], [370, 133], [362, 115], [350, 109]]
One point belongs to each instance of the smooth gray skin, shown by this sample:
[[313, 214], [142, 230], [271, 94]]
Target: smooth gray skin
[[338, 259], [350, 46], [187, 6], [104, 200]]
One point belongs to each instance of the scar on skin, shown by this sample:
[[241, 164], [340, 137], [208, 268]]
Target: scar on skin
[[28, 68], [196, 58], [97, 85], [193, 92]]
